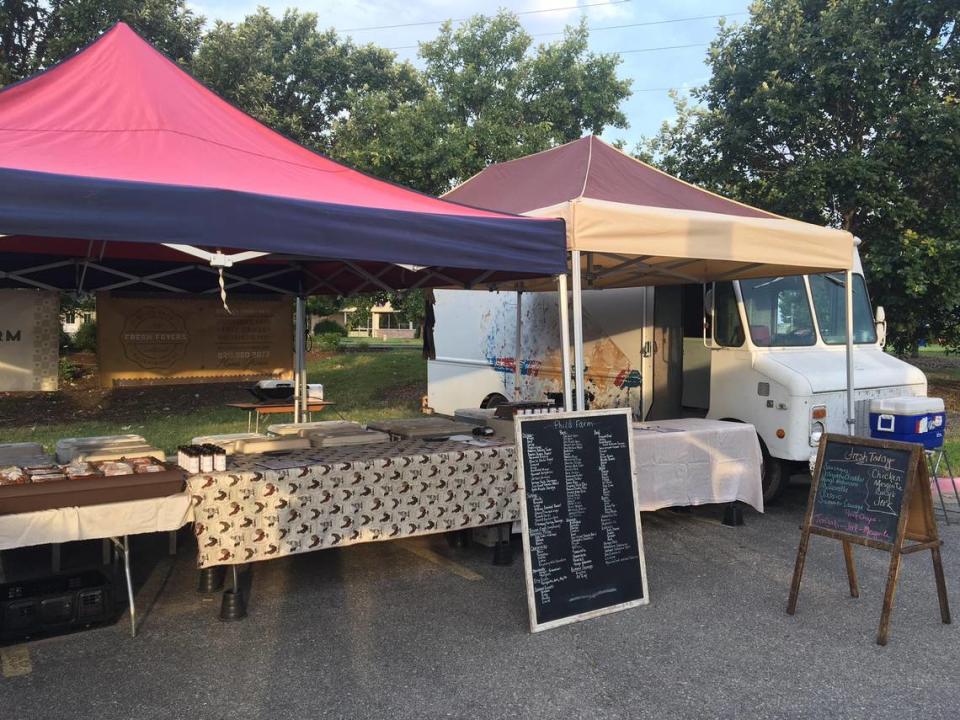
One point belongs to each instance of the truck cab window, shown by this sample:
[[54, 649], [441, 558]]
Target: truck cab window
[[830, 303], [778, 312], [727, 328]]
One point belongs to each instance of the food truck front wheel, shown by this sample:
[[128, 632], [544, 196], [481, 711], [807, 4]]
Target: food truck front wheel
[[774, 474]]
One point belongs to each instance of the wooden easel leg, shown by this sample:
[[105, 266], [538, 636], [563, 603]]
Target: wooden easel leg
[[941, 585], [892, 577], [798, 572], [851, 569]]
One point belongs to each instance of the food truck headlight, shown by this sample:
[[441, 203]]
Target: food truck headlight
[[818, 412], [816, 431]]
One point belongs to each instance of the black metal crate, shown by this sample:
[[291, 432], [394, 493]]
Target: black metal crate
[[55, 604]]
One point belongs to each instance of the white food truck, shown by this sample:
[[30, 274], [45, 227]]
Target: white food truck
[[770, 352]]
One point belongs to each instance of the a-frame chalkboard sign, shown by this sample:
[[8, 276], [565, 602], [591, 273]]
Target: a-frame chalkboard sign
[[874, 493], [582, 546]]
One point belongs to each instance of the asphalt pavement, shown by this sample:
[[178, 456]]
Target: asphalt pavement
[[416, 629]]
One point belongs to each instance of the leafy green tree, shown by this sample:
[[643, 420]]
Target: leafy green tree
[[842, 112], [168, 24], [294, 77], [323, 305], [490, 96], [22, 27], [408, 306]]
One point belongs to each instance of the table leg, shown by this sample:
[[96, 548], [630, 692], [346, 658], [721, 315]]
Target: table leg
[[503, 550], [124, 549], [233, 605], [732, 515], [249, 418]]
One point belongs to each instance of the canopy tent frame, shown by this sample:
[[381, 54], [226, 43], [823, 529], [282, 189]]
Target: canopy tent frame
[[580, 370]]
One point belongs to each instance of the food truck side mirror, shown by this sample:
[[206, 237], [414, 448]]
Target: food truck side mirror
[[880, 322]]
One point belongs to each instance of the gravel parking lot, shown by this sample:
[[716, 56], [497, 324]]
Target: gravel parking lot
[[415, 629]]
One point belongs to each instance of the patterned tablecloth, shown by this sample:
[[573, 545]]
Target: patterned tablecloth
[[267, 507]]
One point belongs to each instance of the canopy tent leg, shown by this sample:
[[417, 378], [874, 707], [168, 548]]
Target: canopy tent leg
[[578, 329], [518, 349], [563, 302], [300, 362], [851, 405]]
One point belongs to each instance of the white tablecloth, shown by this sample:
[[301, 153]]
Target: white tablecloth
[[696, 462], [94, 522]]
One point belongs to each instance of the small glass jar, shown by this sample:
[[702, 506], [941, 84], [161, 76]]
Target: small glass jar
[[219, 459], [193, 459], [206, 458]]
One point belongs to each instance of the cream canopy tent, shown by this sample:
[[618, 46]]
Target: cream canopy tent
[[629, 224], [644, 227]]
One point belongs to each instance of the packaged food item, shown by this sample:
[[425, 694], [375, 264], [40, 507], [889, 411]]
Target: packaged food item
[[139, 461], [13, 475], [111, 468], [148, 468], [79, 469], [40, 469], [47, 477]]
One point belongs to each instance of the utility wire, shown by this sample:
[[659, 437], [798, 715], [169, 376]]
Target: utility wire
[[616, 27], [652, 49], [649, 22], [524, 12], [615, 52]]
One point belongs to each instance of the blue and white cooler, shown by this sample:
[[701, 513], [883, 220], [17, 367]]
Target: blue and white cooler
[[909, 419]]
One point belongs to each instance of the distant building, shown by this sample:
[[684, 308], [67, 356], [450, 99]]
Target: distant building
[[382, 324], [73, 319]]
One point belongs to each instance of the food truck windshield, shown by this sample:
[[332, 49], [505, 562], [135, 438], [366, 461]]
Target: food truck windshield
[[778, 310], [829, 301]]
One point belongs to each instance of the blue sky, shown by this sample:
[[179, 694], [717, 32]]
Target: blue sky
[[652, 71]]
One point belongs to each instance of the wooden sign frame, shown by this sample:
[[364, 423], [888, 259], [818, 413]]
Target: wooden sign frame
[[916, 523], [524, 520]]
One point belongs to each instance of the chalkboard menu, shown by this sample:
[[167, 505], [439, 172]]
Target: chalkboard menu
[[860, 489], [582, 543], [874, 493]]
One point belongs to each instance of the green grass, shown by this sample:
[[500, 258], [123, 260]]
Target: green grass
[[364, 386], [952, 446], [398, 342]]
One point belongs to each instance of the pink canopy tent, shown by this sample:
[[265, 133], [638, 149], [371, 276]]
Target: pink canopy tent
[[117, 155]]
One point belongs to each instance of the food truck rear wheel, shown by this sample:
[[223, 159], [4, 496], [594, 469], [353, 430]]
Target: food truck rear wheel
[[492, 400], [773, 475]]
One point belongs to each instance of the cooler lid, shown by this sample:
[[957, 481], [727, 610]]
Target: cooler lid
[[907, 405]]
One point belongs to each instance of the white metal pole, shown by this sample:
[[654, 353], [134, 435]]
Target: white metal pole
[[518, 349], [565, 340], [300, 376], [578, 329], [851, 406]]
